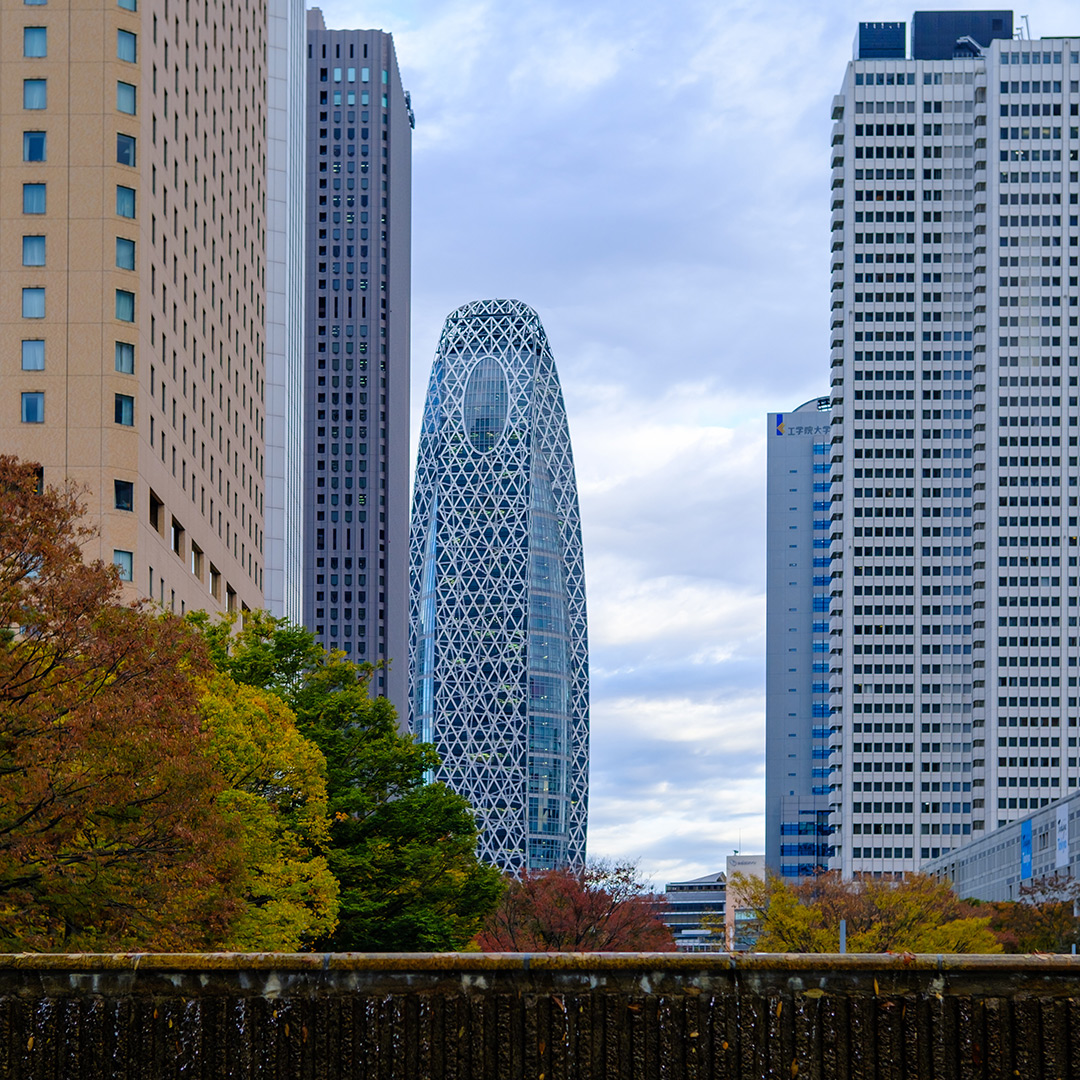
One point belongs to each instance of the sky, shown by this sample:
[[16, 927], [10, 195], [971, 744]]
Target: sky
[[654, 180]]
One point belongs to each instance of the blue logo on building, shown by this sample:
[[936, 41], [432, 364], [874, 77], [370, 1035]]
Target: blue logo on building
[[1025, 850]]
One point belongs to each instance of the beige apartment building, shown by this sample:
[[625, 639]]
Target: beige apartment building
[[132, 279]]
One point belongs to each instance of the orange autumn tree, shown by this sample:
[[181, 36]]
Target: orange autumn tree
[[110, 832], [596, 908]]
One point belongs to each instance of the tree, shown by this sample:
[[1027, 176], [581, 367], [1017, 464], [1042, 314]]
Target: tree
[[1043, 920], [110, 834], [597, 908], [918, 914], [276, 796], [403, 851]]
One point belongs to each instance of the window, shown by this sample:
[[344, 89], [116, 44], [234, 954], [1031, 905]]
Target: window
[[33, 408], [33, 146], [122, 560], [177, 537], [125, 357], [123, 495], [125, 149], [33, 251], [33, 95], [35, 41], [125, 98], [125, 201], [34, 3], [124, 409], [125, 253], [33, 303], [125, 45], [33, 355], [125, 305], [33, 198], [127, 5]]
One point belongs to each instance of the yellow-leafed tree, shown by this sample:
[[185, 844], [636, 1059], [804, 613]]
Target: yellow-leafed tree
[[276, 799]]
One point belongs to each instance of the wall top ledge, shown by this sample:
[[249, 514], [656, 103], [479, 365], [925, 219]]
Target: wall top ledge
[[464, 963]]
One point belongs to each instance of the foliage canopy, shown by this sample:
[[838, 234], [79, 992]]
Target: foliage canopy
[[918, 914], [597, 908], [402, 850]]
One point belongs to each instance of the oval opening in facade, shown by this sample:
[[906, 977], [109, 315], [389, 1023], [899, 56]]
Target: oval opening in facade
[[486, 404]]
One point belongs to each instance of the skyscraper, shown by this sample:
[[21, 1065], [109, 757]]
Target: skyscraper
[[953, 525], [356, 351], [285, 217], [797, 640], [132, 197], [499, 650]]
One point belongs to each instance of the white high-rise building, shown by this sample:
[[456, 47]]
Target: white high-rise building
[[953, 617]]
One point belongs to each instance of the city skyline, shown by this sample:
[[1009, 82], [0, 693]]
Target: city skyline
[[685, 298], [684, 301]]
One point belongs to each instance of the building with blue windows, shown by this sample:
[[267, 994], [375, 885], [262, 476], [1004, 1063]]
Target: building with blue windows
[[952, 696], [798, 658], [498, 640]]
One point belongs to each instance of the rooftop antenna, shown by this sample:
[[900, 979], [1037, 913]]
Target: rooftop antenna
[[1027, 27]]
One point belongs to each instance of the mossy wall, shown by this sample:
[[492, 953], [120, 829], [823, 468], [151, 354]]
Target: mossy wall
[[546, 1016]]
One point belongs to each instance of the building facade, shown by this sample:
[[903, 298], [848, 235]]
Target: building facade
[[953, 539], [499, 649], [797, 640], [285, 202], [1039, 845], [694, 913], [133, 162], [356, 352]]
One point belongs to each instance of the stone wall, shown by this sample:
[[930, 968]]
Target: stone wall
[[539, 1017]]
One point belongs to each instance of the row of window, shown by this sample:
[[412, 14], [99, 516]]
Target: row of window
[[36, 43], [33, 356], [35, 147], [33, 304], [33, 252], [35, 95], [34, 200], [33, 408]]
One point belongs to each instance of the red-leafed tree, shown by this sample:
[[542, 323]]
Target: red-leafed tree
[[599, 908], [110, 832]]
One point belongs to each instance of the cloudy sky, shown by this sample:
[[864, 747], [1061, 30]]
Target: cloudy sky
[[653, 178]]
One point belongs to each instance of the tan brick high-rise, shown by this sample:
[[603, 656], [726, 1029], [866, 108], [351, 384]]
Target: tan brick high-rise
[[132, 279]]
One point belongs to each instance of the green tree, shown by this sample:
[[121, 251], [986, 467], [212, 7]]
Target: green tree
[[402, 850], [276, 796]]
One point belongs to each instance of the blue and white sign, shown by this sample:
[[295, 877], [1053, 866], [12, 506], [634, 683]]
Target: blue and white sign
[[1062, 856], [1025, 850]]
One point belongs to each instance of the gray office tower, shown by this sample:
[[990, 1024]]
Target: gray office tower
[[797, 640], [954, 652], [499, 642], [356, 352]]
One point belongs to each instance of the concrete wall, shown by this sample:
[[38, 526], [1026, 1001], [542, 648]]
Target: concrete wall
[[556, 1016]]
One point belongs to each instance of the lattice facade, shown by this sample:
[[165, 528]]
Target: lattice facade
[[498, 636]]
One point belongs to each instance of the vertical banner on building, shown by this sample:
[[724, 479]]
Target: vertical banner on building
[[1025, 850], [1062, 858]]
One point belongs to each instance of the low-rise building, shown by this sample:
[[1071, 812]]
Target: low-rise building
[[695, 913], [1045, 842]]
